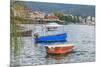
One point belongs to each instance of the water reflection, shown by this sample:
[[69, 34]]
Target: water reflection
[[56, 57], [52, 43]]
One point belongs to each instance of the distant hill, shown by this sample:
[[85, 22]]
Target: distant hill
[[75, 9]]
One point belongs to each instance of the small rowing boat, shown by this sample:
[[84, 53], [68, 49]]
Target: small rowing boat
[[59, 49]]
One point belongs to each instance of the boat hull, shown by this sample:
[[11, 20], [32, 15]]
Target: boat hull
[[59, 49], [53, 38]]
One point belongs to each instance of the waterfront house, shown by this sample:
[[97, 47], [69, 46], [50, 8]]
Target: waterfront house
[[52, 17]]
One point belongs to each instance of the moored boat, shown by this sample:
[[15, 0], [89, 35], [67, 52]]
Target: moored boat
[[52, 26], [53, 38], [51, 32], [59, 49]]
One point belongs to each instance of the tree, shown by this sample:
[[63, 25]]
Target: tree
[[58, 14]]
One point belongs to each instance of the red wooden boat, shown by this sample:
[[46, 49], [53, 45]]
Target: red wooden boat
[[59, 49]]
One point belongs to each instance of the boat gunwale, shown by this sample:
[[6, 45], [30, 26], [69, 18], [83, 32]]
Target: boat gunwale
[[54, 35]]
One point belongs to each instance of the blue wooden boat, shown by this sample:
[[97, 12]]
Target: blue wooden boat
[[52, 38]]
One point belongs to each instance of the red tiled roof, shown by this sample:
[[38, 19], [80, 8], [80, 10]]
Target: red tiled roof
[[52, 17]]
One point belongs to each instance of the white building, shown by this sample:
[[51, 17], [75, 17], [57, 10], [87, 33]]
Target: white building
[[90, 20]]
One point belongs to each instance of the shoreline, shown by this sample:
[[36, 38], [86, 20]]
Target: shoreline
[[61, 24]]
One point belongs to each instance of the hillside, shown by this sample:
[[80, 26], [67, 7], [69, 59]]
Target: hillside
[[80, 10]]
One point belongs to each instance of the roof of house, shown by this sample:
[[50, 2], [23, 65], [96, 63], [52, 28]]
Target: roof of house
[[52, 17]]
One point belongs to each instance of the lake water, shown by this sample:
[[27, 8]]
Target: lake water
[[82, 36]]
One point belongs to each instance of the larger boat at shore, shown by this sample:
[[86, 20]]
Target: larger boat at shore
[[51, 28], [52, 38]]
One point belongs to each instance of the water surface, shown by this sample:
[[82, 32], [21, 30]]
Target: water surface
[[82, 36]]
